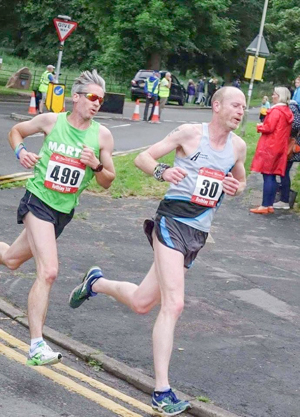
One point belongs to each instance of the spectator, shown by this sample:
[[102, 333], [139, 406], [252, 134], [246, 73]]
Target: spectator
[[200, 90], [237, 83], [191, 91], [151, 90], [265, 106], [296, 95], [211, 89], [285, 186], [46, 78], [164, 91], [271, 152]]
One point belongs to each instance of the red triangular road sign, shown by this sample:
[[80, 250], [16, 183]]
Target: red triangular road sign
[[64, 28]]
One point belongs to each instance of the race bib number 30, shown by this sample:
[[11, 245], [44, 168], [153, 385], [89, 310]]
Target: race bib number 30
[[208, 188], [64, 174]]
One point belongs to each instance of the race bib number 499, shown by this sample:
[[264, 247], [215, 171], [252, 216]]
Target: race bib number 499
[[64, 174], [208, 188]]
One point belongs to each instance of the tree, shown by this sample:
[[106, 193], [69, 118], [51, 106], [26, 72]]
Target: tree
[[231, 63], [39, 41], [9, 21], [148, 32], [283, 31]]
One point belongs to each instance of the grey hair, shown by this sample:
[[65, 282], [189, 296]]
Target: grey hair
[[87, 78], [284, 94]]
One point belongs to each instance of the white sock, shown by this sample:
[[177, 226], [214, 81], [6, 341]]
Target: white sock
[[34, 342], [163, 389]]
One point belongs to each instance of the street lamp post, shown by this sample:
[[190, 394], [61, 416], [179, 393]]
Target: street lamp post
[[260, 37]]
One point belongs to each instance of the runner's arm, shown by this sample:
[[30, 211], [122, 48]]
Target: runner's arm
[[106, 143], [148, 160], [42, 123]]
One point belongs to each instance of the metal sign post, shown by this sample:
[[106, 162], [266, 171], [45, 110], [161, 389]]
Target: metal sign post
[[64, 27], [257, 52]]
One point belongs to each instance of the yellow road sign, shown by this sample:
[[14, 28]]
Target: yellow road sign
[[55, 100], [259, 68]]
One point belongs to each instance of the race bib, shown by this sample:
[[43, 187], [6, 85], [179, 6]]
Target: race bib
[[64, 174], [208, 188]]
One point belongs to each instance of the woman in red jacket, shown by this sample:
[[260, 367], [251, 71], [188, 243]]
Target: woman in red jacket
[[271, 152]]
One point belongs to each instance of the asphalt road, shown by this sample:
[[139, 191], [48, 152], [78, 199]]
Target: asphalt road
[[70, 389]]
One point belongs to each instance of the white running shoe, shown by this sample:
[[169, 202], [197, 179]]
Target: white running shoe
[[281, 205], [43, 355]]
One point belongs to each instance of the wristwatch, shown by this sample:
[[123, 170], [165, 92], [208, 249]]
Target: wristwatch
[[98, 168], [159, 170]]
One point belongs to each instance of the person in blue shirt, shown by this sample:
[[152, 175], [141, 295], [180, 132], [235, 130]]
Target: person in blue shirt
[[296, 95], [265, 106], [151, 91]]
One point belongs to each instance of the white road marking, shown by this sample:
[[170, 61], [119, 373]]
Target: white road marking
[[35, 134], [112, 127], [267, 302]]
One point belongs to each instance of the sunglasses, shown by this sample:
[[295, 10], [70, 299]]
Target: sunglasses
[[93, 97]]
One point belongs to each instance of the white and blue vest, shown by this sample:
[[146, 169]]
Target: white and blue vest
[[178, 201]]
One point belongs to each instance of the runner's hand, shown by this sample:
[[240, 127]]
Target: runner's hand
[[174, 175], [88, 157], [28, 159], [230, 184]]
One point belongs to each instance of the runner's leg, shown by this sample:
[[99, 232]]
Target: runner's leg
[[170, 272], [140, 298], [41, 238], [13, 256]]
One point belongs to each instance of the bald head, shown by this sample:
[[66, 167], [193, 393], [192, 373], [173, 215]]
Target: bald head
[[226, 92]]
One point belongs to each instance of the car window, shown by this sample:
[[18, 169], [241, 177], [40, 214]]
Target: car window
[[174, 80], [143, 74]]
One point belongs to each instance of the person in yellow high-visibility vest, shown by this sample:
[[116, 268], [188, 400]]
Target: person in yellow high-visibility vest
[[46, 78], [151, 93], [164, 91]]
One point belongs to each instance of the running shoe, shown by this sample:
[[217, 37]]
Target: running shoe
[[168, 404], [43, 355], [83, 291]]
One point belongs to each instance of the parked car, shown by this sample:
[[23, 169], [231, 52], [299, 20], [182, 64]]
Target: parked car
[[177, 93]]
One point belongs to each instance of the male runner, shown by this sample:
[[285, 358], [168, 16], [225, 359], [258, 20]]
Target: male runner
[[69, 158], [209, 163]]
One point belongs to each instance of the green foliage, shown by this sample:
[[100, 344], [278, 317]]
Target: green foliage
[[203, 399], [283, 31], [39, 41], [119, 37]]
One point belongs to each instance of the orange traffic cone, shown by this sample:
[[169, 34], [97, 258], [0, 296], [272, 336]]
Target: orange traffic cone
[[155, 116], [32, 105], [136, 113]]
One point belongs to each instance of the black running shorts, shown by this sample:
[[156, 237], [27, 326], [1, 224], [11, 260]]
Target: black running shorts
[[42, 211], [177, 236]]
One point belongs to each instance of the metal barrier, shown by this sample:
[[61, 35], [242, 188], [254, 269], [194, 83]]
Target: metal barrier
[[113, 84]]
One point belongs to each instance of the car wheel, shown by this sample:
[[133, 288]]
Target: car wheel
[[181, 102]]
